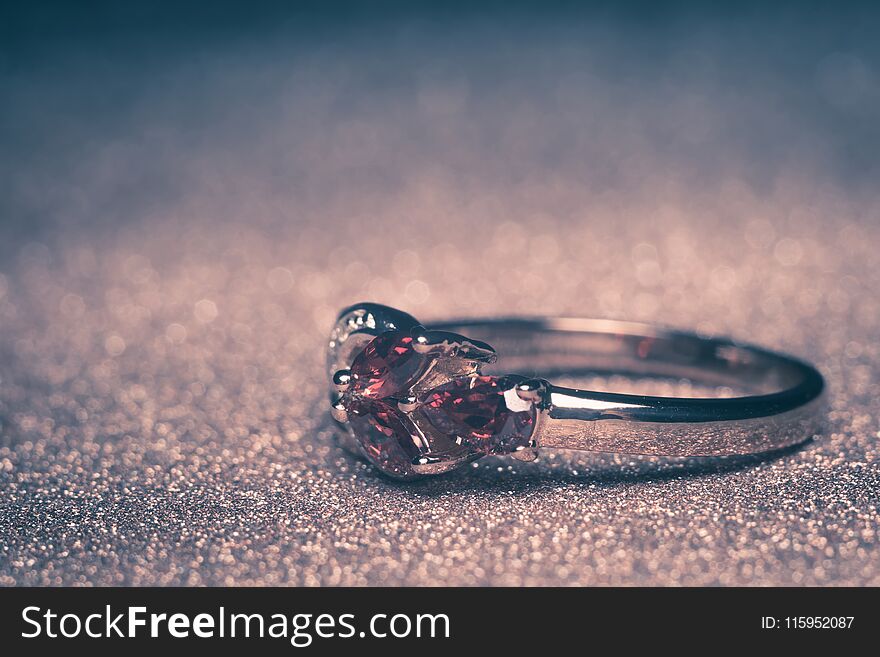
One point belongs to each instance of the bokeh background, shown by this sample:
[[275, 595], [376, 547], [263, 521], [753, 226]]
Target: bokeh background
[[187, 198]]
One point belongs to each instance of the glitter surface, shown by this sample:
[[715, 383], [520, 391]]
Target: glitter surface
[[181, 225]]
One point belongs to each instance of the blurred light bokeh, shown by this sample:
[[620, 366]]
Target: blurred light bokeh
[[186, 206]]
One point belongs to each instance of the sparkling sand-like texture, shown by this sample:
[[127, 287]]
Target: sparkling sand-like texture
[[184, 212]]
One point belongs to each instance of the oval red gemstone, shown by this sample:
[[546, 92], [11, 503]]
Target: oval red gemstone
[[387, 365], [484, 411], [388, 438]]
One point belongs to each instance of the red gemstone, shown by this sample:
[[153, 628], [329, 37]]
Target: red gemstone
[[484, 411], [388, 438], [386, 366]]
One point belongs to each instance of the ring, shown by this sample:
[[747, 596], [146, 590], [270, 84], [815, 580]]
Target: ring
[[416, 402]]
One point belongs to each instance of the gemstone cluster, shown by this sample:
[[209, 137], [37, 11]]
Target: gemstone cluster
[[398, 420]]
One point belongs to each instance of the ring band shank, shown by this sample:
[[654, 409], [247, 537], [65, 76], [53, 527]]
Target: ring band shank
[[784, 406]]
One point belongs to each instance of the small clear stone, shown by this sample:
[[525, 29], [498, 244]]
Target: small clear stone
[[355, 320]]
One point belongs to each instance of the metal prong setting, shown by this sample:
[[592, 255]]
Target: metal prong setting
[[534, 391], [438, 463], [342, 380], [338, 410], [537, 393], [444, 343]]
